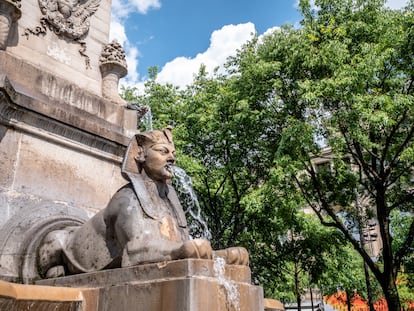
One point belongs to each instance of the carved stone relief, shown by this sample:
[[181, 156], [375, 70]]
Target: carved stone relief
[[67, 18], [9, 13], [113, 53], [113, 66]]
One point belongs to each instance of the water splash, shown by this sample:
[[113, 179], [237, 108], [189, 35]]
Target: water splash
[[146, 120], [184, 187], [230, 288]]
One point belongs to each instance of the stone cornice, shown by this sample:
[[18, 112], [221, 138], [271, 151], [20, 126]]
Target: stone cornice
[[72, 127]]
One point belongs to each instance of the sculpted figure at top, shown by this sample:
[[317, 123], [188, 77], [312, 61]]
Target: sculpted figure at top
[[69, 18], [143, 223]]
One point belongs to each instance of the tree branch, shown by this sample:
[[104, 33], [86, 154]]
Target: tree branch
[[400, 149], [390, 137], [357, 155], [339, 225]]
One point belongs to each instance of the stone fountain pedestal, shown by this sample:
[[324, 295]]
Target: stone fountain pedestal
[[182, 285]]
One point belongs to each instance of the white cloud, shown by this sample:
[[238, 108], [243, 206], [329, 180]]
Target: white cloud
[[132, 62], [396, 4], [181, 70], [223, 43], [269, 32], [144, 5], [120, 10], [117, 32]]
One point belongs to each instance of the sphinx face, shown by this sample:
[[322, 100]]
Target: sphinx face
[[159, 162]]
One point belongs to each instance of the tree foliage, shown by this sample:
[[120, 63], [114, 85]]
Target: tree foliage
[[345, 79]]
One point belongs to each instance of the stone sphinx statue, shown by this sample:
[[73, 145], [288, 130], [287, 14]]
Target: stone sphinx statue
[[143, 222]]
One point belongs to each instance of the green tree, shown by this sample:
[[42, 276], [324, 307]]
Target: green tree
[[295, 251], [400, 225], [307, 247], [346, 79], [351, 276]]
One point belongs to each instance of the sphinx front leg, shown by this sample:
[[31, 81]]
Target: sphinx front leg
[[197, 248], [234, 255]]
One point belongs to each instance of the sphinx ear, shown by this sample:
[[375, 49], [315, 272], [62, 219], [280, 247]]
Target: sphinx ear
[[140, 156]]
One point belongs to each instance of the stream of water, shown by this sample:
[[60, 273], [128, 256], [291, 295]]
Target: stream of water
[[146, 120], [184, 187], [230, 288]]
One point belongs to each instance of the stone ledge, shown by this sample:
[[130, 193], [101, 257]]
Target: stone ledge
[[182, 285], [151, 272], [75, 129], [37, 90], [273, 305], [34, 297]]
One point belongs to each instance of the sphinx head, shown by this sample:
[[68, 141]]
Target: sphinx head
[[151, 153]]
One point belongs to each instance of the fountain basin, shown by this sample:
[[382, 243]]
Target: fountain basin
[[181, 285]]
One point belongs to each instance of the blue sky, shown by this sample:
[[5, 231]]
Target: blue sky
[[180, 35]]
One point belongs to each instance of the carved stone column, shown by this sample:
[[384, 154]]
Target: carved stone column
[[9, 13], [113, 67]]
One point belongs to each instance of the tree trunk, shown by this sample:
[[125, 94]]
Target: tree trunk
[[311, 297], [297, 287], [389, 275], [369, 287], [348, 299], [391, 294]]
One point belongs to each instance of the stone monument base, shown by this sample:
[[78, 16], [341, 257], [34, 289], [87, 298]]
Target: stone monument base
[[15, 297], [182, 285]]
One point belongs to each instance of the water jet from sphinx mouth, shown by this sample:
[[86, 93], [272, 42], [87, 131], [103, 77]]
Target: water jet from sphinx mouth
[[184, 187]]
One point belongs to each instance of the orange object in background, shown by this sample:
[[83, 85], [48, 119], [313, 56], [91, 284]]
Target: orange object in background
[[358, 303]]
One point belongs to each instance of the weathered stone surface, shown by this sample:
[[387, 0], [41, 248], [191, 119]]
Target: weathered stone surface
[[67, 175], [40, 298], [58, 55], [53, 154], [273, 305], [21, 234], [113, 66], [54, 151], [151, 272], [10, 139], [183, 285], [60, 140], [36, 90]]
